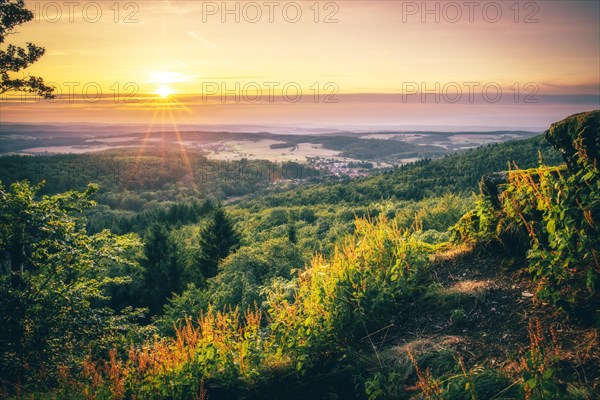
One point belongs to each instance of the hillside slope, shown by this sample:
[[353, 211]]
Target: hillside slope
[[457, 173]]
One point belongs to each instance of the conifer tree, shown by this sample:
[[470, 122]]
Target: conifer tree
[[217, 239], [162, 272], [16, 59]]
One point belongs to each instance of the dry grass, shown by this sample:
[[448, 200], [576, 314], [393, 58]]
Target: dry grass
[[474, 287], [452, 253], [421, 346]]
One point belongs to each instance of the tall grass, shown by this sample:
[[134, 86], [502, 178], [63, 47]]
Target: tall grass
[[334, 303]]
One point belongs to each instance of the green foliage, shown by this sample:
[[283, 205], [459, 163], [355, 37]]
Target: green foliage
[[385, 386], [169, 215], [162, 271], [15, 59], [482, 384], [181, 307], [542, 371], [243, 278], [343, 299], [319, 228], [564, 238], [577, 138], [478, 225], [246, 273], [136, 179], [244, 315], [53, 286], [307, 321], [540, 367], [217, 239], [459, 174], [551, 213]]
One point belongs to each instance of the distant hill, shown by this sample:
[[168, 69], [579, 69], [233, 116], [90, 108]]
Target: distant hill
[[457, 173]]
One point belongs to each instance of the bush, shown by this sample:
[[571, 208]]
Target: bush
[[555, 212]]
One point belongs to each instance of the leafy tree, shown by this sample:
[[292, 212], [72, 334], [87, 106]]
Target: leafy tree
[[217, 239], [14, 59], [162, 271], [52, 289], [245, 273], [241, 282]]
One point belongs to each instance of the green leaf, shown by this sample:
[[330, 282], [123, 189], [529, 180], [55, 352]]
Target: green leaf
[[551, 226]]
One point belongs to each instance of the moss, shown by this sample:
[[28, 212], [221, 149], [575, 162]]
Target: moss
[[577, 138]]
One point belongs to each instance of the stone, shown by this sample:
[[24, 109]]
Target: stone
[[490, 186], [577, 138]]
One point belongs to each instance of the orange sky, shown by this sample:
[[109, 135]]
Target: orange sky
[[179, 48]]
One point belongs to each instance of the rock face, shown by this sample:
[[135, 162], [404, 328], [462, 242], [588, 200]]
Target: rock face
[[577, 138], [490, 187]]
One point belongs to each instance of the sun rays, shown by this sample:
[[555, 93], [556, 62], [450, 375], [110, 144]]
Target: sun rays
[[162, 119]]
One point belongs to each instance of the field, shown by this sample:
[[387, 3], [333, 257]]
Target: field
[[389, 148]]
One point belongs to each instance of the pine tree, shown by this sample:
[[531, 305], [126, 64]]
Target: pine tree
[[15, 59], [162, 272], [217, 239]]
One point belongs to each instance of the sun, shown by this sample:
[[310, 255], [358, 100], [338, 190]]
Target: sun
[[164, 91]]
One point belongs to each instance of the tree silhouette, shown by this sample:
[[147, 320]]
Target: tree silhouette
[[14, 59]]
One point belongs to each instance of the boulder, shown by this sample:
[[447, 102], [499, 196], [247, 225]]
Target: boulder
[[577, 138]]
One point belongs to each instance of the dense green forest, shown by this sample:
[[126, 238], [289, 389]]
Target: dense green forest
[[411, 283], [141, 186], [132, 179]]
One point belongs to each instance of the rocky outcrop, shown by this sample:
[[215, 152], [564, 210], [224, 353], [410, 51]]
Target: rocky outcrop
[[577, 138], [490, 187]]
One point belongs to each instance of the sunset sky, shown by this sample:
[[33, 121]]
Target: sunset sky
[[360, 57]]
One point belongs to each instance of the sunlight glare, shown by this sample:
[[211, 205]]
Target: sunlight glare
[[164, 91]]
